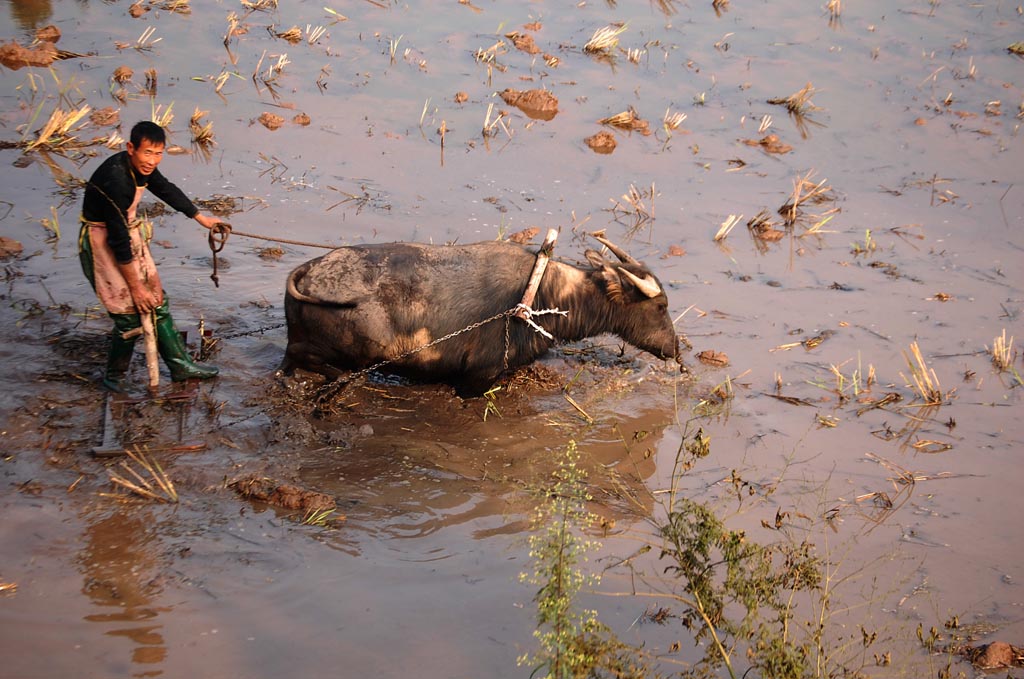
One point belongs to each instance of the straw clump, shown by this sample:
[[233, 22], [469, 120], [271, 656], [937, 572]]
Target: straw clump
[[1003, 354], [60, 130], [629, 120], [924, 380], [798, 103], [604, 39], [153, 485]]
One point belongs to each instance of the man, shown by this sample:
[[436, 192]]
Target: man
[[113, 246]]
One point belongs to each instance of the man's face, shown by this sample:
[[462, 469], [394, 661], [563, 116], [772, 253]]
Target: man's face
[[146, 156]]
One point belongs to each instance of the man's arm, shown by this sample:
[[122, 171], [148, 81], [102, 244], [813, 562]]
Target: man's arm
[[168, 192]]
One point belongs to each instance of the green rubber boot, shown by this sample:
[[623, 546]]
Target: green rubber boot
[[119, 358], [173, 351]]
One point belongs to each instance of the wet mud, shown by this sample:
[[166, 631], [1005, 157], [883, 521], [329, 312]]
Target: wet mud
[[820, 194]]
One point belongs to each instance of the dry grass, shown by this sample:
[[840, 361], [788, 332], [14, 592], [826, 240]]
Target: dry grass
[[630, 120], [763, 232], [295, 35], [726, 227], [292, 35], [604, 39], [234, 28], [924, 380], [178, 6], [835, 12], [805, 191], [632, 205], [144, 43], [162, 117], [222, 79], [153, 484], [202, 133], [314, 33], [490, 126], [52, 224], [671, 121], [260, 5], [799, 103], [60, 130], [270, 77], [151, 82], [1003, 355], [114, 140], [717, 401], [489, 58], [338, 18]]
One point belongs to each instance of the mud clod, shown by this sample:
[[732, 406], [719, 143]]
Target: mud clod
[[602, 142], [770, 144], [994, 656], [283, 495], [271, 121], [9, 248], [712, 357], [523, 42], [525, 236], [14, 56], [539, 104]]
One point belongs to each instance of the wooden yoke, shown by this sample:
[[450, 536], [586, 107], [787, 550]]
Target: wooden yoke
[[543, 255]]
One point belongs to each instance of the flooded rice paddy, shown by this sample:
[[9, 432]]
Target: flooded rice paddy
[[898, 138]]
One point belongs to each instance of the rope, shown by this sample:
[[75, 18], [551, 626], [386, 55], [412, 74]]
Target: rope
[[286, 241], [218, 238]]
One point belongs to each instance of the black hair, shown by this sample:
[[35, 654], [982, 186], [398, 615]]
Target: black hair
[[146, 130]]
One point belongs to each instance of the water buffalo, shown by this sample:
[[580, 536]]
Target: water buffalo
[[360, 305]]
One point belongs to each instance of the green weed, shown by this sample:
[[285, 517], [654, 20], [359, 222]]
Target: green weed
[[573, 644]]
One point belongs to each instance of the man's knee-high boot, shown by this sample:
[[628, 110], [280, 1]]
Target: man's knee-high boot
[[173, 351], [119, 358]]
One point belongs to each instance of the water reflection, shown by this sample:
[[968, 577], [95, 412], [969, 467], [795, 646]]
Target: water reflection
[[30, 14], [412, 479], [120, 576]]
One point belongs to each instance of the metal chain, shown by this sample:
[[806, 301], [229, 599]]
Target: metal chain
[[331, 388], [375, 366], [257, 331]]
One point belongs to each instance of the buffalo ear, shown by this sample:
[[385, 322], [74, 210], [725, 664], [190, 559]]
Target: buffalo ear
[[607, 275], [595, 259]]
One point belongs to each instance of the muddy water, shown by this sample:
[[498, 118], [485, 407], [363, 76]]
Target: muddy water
[[916, 134]]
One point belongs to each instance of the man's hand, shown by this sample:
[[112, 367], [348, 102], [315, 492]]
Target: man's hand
[[206, 220], [146, 295], [145, 299]]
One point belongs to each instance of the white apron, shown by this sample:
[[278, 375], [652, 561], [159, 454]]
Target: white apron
[[111, 287]]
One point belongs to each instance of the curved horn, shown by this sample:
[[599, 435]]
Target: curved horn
[[646, 285], [616, 250]]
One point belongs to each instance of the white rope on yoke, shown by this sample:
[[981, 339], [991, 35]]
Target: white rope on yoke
[[527, 314]]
